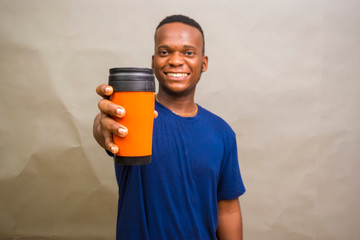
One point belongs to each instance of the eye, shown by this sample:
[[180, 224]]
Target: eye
[[190, 53], [163, 52]]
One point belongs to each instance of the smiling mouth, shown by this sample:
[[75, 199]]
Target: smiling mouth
[[177, 75]]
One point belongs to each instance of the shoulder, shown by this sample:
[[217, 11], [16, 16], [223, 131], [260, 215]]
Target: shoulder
[[216, 122]]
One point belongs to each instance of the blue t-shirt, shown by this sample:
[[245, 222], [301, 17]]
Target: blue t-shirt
[[194, 164]]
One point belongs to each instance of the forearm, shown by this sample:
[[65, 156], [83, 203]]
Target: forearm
[[229, 220]]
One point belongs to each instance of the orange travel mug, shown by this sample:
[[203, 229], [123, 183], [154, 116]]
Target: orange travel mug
[[134, 90]]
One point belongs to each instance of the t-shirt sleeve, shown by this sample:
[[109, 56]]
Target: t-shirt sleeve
[[230, 184]]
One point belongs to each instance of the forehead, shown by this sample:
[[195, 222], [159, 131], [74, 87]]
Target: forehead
[[178, 34]]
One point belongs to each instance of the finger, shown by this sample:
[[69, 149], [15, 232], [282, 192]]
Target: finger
[[104, 90], [111, 108], [109, 125], [109, 143]]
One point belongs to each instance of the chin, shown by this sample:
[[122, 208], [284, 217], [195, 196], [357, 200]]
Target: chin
[[176, 92]]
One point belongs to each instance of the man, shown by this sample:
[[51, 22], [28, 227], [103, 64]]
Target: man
[[191, 188]]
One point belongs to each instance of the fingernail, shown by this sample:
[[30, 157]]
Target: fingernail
[[113, 149], [107, 90], [120, 112], [122, 131]]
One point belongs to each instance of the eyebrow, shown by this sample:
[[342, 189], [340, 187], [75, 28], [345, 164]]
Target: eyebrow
[[189, 46], [186, 46], [163, 46]]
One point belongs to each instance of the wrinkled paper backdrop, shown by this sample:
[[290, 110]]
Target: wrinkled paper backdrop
[[284, 74]]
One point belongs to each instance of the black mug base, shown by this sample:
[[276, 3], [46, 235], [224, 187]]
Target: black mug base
[[132, 160]]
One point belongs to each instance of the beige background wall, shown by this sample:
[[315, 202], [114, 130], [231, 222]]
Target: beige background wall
[[284, 74]]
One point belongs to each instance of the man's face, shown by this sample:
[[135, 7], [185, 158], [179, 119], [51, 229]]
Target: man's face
[[178, 59]]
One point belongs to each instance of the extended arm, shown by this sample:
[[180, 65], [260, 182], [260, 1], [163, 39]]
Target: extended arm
[[104, 126], [230, 220]]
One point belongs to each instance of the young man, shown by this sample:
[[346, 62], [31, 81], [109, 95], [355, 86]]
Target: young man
[[191, 188]]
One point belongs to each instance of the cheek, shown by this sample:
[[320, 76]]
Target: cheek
[[157, 64], [197, 65], [158, 59]]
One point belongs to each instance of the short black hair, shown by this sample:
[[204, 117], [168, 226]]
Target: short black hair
[[183, 19]]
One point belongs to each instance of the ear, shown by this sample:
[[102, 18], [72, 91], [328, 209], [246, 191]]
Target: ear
[[204, 64], [152, 62]]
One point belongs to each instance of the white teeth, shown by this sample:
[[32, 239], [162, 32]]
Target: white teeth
[[177, 75]]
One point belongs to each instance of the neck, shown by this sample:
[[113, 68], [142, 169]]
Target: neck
[[180, 105]]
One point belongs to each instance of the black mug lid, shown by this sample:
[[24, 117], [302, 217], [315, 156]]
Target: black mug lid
[[132, 79], [130, 70]]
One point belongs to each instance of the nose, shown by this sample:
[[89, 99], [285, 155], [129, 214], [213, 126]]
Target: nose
[[176, 59]]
